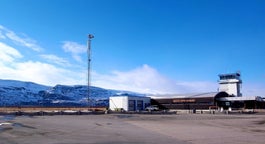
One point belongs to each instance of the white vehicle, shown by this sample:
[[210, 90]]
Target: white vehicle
[[152, 108]]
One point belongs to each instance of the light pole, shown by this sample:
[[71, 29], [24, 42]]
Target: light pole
[[90, 36]]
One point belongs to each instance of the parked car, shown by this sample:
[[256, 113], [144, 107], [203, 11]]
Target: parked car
[[152, 108]]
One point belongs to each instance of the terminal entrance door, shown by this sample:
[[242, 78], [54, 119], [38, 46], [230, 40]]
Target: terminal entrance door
[[140, 105], [131, 105]]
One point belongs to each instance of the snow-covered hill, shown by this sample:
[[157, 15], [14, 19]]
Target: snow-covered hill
[[18, 93]]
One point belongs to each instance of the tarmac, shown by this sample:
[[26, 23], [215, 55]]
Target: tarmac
[[133, 129]]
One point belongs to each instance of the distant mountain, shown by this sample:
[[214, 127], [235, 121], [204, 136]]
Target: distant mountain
[[19, 93]]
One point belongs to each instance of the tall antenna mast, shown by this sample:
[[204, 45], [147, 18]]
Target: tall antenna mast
[[90, 36]]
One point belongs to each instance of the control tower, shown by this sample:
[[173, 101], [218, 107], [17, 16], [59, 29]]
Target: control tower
[[230, 83]]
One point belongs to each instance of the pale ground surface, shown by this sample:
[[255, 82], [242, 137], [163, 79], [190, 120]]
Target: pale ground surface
[[133, 129]]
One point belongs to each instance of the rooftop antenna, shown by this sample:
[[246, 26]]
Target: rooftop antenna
[[90, 36]]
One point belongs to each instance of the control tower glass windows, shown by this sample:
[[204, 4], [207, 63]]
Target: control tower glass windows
[[229, 76]]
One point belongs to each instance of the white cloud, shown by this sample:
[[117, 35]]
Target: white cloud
[[2, 35], [42, 73], [75, 49], [12, 67], [23, 41], [7, 53], [146, 79], [27, 42], [55, 59], [197, 86], [253, 89]]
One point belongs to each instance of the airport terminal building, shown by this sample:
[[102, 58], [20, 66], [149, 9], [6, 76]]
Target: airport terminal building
[[228, 97]]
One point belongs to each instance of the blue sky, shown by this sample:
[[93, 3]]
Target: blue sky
[[153, 46]]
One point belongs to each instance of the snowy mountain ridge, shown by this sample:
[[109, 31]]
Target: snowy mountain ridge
[[19, 93], [27, 85]]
